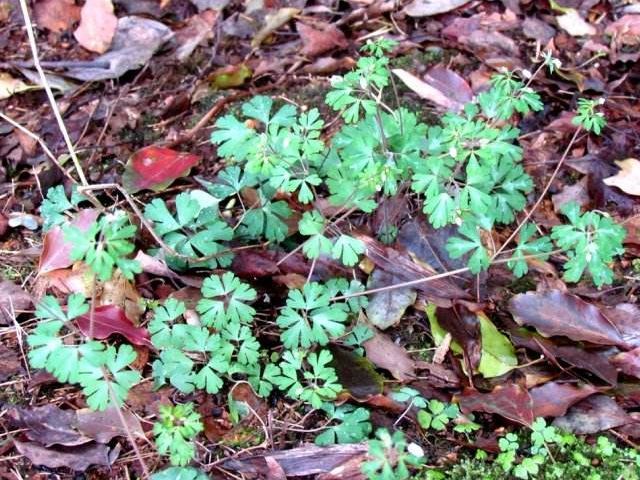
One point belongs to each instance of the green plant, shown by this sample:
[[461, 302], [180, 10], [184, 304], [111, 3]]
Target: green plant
[[388, 458], [588, 116], [102, 372], [179, 473], [175, 430], [55, 206], [354, 425]]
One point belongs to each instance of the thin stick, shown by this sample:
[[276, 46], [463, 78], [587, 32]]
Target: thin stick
[[45, 83]]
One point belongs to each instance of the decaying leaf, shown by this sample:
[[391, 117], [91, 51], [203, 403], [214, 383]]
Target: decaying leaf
[[427, 90], [383, 352], [273, 21], [559, 313], [320, 39], [442, 86], [356, 374], [199, 28], [56, 15], [110, 319], [574, 24], [77, 458], [628, 178], [10, 85], [426, 8], [13, 301], [554, 398], [97, 25], [156, 168], [594, 414], [230, 76], [509, 401], [386, 309]]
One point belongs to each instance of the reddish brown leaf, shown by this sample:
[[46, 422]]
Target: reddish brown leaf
[[110, 319], [628, 362], [510, 401], [79, 458], [13, 301], [554, 398], [464, 327], [595, 414], [593, 361], [387, 354], [155, 168], [56, 15], [626, 318], [316, 41], [56, 250], [557, 313]]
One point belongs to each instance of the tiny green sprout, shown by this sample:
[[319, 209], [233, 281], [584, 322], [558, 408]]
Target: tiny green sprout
[[550, 61], [175, 430], [588, 116], [389, 457]]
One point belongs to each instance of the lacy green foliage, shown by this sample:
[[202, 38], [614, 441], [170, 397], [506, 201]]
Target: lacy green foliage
[[55, 206], [226, 300], [466, 170], [547, 453], [102, 372], [179, 473], [591, 241], [174, 431], [195, 230], [353, 426], [433, 414], [105, 245], [388, 457]]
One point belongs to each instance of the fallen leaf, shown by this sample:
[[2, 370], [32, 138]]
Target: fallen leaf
[[299, 462], [386, 309], [56, 251], [498, 355], [628, 178], [625, 30], [628, 362], [574, 24], [56, 15], [553, 399], [134, 43], [105, 425], [464, 327], [328, 65], [110, 319], [10, 85], [509, 401], [78, 458], [155, 168], [436, 88], [537, 29], [198, 29], [159, 267], [13, 301], [594, 414], [230, 76], [626, 318], [316, 41], [592, 361], [356, 373], [10, 361], [272, 22], [425, 8], [578, 192], [97, 25], [558, 313], [50, 425], [387, 354]]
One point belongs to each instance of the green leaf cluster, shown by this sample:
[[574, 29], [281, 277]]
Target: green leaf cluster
[[55, 206], [174, 432], [388, 457]]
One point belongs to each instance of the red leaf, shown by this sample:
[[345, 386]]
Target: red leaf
[[155, 168], [628, 362], [110, 319], [553, 399], [511, 401], [56, 250], [557, 313]]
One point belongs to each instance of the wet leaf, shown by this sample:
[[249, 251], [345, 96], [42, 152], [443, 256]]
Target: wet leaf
[[628, 362], [595, 414], [356, 374], [56, 251], [387, 354], [111, 319], [77, 458], [425, 8], [628, 178], [558, 313], [97, 25], [13, 301], [386, 309], [554, 398], [319, 40], [155, 168], [464, 327], [509, 401]]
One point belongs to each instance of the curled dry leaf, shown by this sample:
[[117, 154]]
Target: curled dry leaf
[[10, 85], [316, 41], [155, 168], [97, 25], [387, 354], [558, 313], [628, 178], [509, 401]]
